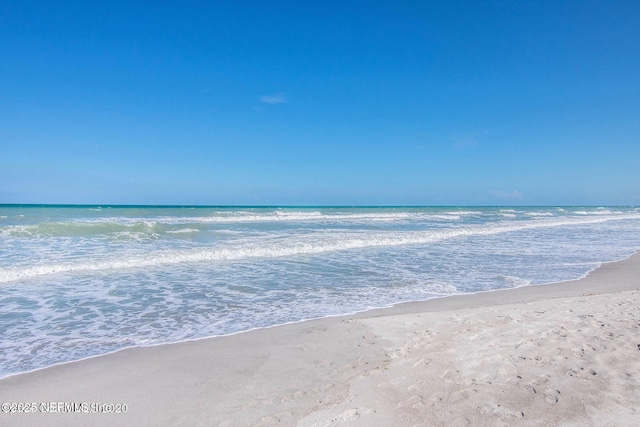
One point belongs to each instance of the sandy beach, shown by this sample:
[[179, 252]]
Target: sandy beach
[[559, 354]]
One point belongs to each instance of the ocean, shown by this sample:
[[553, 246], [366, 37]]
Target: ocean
[[80, 281]]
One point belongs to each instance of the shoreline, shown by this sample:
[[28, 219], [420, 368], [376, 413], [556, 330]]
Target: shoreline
[[307, 372], [521, 294], [352, 314]]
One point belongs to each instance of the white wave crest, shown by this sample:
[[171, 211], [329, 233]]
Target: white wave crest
[[599, 211], [183, 231]]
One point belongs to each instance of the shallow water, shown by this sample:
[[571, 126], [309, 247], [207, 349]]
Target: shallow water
[[82, 281]]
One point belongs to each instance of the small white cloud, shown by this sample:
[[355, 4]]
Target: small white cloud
[[277, 98], [507, 195]]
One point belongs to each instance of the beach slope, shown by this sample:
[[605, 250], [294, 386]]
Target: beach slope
[[560, 354]]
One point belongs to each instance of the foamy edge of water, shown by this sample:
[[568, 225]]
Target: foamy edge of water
[[395, 304]]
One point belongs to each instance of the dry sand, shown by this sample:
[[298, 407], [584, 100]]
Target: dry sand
[[559, 354]]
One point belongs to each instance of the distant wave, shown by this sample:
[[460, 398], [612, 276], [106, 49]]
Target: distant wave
[[183, 231], [538, 214], [162, 224], [83, 226], [599, 211], [290, 216]]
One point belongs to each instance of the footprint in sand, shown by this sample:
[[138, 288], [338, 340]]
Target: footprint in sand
[[551, 395]]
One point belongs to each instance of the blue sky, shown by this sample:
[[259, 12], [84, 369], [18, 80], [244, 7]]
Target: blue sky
[[320, 103]]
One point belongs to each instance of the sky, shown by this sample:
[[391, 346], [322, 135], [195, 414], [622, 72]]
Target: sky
[[320, 102]]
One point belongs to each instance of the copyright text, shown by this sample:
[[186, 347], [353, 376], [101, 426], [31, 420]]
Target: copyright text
[[64, 407]]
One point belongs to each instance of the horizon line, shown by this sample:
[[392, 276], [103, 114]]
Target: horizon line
[[126, 205]]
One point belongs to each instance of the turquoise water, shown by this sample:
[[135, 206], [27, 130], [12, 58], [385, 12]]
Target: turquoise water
[[88, 280]]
